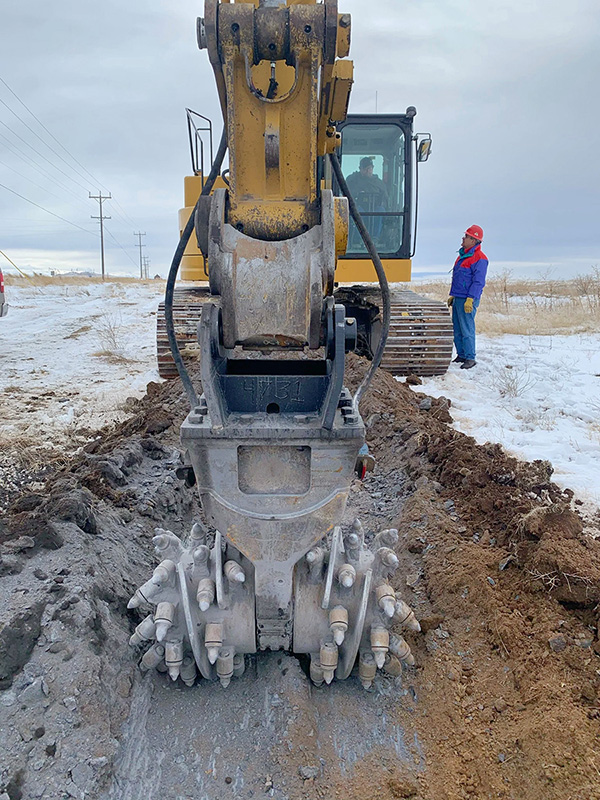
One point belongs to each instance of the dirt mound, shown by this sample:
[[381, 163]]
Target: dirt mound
[[509, 677]]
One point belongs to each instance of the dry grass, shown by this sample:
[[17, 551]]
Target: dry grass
[[512, 381], [12, 279], [30, 452], [528, 307], [111, 337], [109, 330], [79, 332], [113, 357], [536, 307]]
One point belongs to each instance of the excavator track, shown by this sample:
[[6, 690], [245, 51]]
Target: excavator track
[[419, 342], [420, 337], [187, 308]]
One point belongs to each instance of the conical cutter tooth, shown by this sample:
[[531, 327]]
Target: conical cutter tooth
[[367, 668], [206, 593], [388, 560], [164, 572], [358, 529], [201, 554], [225, 666], [328, 658], [187, 671], [163, 617], [144, 594], [152, 657], [234, 572], [198, 534], [174, 658], [399, 647], [338, 623], [387, 537], [393, 665], [406, 616], [213, 640], [161, 576], [316, 673], [144, 632], [239, 665], [315, 559], [380, 643], [166, 544], [386, 599], [347, 576], [353, 545]]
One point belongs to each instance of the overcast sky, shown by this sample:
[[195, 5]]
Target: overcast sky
[[508, 89]]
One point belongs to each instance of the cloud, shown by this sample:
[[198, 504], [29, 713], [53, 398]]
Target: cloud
[[506, 88]]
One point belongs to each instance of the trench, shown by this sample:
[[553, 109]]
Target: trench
[[272, 731]]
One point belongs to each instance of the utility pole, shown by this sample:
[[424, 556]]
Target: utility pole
[[147, 267], [139, 234], [100, 197]]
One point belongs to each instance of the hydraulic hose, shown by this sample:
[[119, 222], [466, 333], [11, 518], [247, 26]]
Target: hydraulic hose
[[175, 264], [383, 283]]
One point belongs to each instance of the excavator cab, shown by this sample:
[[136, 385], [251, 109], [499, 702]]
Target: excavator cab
[[380, 157], [375, 157], [385, 192]]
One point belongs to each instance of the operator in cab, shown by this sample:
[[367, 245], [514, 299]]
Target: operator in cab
[[367, 189], [468, 280]]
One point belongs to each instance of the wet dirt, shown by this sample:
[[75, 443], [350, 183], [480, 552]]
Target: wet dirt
[[503, 702]]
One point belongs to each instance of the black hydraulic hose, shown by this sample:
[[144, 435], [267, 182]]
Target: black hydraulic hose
[[383, 283], [185, 237]]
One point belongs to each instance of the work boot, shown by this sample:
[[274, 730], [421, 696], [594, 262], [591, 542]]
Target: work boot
[[468, 363], [458, 359]]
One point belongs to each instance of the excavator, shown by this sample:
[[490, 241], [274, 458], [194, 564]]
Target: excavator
[[275, 439]]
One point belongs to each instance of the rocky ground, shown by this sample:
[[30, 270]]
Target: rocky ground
[[496, 561]]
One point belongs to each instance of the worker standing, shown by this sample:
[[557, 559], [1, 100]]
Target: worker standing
[[468, 280]]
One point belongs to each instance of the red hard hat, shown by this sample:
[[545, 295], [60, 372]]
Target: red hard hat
[[475, 232]]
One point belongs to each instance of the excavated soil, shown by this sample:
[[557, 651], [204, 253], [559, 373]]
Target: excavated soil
[[495, 560]]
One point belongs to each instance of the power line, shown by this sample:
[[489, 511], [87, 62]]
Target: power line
[[29, 160], [60, 144], [31, 231], [43, 188], [50, 133], [125, 214], [31, 147], [118, 243], [29, 128], [8, 189]]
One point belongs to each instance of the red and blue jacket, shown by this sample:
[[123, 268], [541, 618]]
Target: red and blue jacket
[[468, 275]]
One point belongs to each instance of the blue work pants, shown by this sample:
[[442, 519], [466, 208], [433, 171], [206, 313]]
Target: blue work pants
[[464, 328]]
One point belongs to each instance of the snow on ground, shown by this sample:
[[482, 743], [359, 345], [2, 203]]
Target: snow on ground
[[539, 396], [71, 355]]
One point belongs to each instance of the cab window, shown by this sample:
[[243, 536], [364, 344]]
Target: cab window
[[373, 161]]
